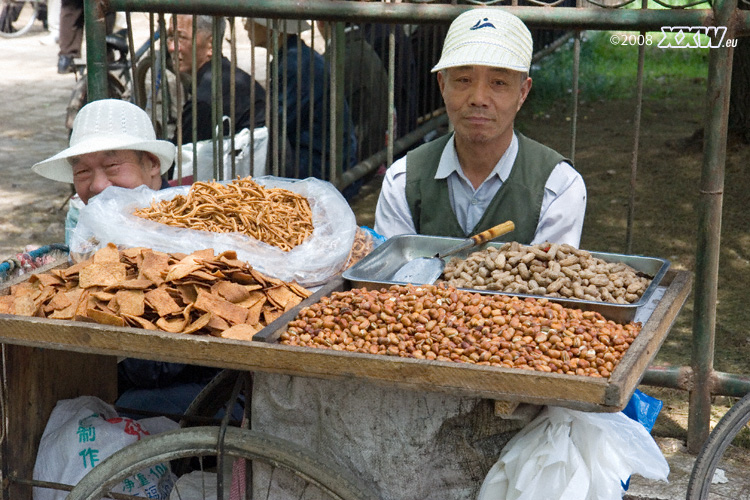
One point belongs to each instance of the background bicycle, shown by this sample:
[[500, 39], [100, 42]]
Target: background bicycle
[[18, 16]]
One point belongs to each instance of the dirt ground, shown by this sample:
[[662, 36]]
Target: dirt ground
[[32, 209]]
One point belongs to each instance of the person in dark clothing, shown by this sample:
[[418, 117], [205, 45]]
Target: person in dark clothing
[[303, 81], [250, 97]]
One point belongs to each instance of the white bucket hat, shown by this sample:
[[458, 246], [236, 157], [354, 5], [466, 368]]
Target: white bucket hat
[[487, 37], [286, 26], [107, 125]]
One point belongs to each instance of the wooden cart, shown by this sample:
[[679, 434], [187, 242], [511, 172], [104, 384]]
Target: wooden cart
[[47, 360]]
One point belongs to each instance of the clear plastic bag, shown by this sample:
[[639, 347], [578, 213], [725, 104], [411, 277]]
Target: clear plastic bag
[[109, 218], [572, 455]]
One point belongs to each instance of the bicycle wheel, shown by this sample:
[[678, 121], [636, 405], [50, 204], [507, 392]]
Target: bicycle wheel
[[18, 16], [719, 454], [279, 469]]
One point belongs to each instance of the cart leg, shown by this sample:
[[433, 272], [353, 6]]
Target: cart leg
[[35, 379]]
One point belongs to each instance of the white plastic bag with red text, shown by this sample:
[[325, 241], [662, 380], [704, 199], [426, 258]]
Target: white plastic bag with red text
[[572, 455], [82, 432]]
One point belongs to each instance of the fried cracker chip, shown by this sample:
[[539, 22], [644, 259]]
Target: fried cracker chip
[[254, 311], [239, 332], [209, 302], [270, 314], [46, 279], [110, 253], [137, 321], [233, 292], [183, 268], [154, 266], [199, 323], [130, 302], [280, 295], [102, 274], [216, 323], [172, 325], [24, 306], [59, 301], [133, 284], [6, 303], [161, 302], [105, 318]]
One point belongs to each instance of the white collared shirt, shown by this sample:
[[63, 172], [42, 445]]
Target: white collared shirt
[[563, 204]]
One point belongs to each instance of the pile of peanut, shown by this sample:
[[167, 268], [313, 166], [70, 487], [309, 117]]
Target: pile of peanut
[[436, 322], [546, 269]]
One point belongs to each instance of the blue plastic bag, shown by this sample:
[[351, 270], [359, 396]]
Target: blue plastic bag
[[643, 409]]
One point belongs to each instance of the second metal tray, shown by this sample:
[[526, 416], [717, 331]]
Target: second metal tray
[[378, 268]]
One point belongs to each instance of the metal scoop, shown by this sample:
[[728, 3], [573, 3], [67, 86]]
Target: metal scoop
[[427, 269]]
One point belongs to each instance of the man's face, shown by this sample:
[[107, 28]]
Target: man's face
[[94, 172], [482, 101], [181, 38]]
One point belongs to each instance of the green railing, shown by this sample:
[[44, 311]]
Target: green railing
[[699, 377]]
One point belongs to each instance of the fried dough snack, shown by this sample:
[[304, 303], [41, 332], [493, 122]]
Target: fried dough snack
[[198, 293], [275, 216]]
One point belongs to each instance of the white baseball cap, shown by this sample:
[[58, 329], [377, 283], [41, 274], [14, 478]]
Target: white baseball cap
[[286, 26], [107, 125], [487, 37]]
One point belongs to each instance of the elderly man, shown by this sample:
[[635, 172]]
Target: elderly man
[[113, 143], [181, 41], [484, 172]]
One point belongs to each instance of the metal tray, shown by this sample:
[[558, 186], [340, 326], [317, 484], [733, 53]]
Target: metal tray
[[377, 270]]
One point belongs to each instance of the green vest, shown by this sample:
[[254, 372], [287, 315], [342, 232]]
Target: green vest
[[519, 198]]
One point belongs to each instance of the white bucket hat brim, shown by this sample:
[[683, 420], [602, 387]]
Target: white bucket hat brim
[[107, 125], [487, 37]]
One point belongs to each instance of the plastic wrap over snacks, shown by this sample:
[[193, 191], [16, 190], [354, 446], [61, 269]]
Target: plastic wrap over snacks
[[109, 218]]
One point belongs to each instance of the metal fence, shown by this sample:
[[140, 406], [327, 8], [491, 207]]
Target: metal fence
[[397, 107]]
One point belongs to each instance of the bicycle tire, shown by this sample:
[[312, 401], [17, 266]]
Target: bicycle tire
[[14, 28], [715, 447], [212, 398], [202, 441]]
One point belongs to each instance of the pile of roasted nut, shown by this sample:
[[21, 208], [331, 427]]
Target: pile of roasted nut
[[547, 269], [436, 322]]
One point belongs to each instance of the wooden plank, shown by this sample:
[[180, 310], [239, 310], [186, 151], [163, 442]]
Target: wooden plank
[[35, 380], [587, 393], [631, 368]]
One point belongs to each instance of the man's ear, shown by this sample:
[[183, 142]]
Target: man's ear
[[441, 81], [155, 164], [525, 89]]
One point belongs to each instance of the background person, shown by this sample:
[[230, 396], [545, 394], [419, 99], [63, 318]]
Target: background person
[[484, 172], [182, 30], [295, 62]]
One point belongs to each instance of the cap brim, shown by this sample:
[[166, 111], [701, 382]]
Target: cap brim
[[58, 167], [482, 54]]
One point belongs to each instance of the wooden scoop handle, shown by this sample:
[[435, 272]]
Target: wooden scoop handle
[[493, 232]]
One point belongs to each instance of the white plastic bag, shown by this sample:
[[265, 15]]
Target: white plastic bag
[[570, 455], [108, 217], [82, 432], [244, 140]]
